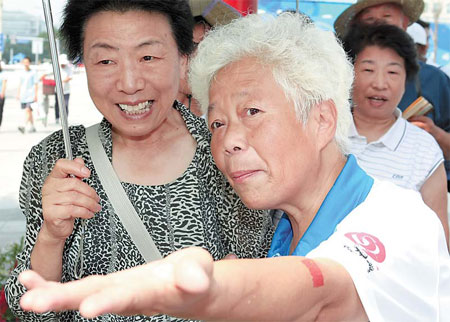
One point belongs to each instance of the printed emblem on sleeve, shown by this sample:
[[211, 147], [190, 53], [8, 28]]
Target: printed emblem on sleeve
[[369, 244]]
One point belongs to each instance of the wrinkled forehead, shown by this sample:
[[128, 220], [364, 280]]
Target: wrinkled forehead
[[384, 7], [238, 79], [375, 55]]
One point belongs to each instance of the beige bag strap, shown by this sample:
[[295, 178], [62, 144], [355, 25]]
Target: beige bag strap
[[118, 198]]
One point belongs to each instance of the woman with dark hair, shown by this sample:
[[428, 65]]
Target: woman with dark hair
[[386, 145], [135, 54]]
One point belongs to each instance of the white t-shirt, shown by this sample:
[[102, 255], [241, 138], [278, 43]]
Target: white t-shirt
[[66, 71], [405, 155], [28, 82], [394, 248]]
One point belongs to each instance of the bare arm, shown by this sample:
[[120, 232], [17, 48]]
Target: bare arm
[[36, 87], [434, 194], [3, 88], [189, 284]]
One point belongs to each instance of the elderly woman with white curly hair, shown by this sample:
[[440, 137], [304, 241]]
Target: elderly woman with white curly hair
[[276, 93]]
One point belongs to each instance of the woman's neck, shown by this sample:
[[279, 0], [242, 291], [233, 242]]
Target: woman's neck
[[303, 210], [372, 129], [157, 158]]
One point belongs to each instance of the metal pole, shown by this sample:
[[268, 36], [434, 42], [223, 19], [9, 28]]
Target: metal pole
[[57, 73], [296, 6]]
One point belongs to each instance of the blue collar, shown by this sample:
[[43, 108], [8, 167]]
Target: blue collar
[[349, 190]]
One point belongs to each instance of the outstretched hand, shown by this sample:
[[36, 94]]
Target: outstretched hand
[[175, 285]]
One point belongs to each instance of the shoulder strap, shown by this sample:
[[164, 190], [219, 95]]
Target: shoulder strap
[[119, 199]]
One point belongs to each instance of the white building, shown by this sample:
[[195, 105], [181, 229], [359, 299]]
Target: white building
[[431, 6], [19, 23]]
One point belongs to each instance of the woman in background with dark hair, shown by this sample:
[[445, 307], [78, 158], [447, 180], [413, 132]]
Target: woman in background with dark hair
[[135, 53], [386, 145]]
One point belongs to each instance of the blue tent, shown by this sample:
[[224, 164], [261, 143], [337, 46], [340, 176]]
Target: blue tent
[[17, 58]]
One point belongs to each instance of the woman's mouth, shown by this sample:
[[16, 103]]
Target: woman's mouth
[[140, 108], [239, 176], [378, 99]]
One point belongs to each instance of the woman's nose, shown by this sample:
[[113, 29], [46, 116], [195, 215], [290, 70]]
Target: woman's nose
[[379, 81], [234, 140], [130, 79]]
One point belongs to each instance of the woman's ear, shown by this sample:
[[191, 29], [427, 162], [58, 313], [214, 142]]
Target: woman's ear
[[327, 122]]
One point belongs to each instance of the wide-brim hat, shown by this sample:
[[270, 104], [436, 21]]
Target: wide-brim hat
[[215, 12], [411, 8]]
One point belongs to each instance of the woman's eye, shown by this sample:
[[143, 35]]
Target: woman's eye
[[215, 125], [148, 58], [105, 62], [252, 111], [368, 70]]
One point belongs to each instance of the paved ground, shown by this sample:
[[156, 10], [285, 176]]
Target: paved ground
[[14, 147]]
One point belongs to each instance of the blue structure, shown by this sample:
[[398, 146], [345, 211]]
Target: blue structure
[[443, 50], [17, 58], [324, 13]]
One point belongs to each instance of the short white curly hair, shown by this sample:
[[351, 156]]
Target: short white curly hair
[[308, 63]]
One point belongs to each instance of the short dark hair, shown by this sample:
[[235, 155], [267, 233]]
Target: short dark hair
[[77, 13], [384, 36]]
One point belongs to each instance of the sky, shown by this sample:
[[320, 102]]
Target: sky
[[34, 7]]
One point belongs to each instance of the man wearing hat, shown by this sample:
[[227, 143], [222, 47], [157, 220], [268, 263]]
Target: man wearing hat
[[419, 35], [207, 14], [432, 83]]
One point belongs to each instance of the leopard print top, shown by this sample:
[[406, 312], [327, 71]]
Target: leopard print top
[[197, 209]]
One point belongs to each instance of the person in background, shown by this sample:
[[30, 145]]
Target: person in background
[[3, 80], [349, 247], [27, 94], [66, 77], [426, 25], [48, 90], [207, 14], [135, 52], [386, 145], [420, 38], [431, 83]]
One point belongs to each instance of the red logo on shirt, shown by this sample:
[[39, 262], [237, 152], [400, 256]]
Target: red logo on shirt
[[371, 245]]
